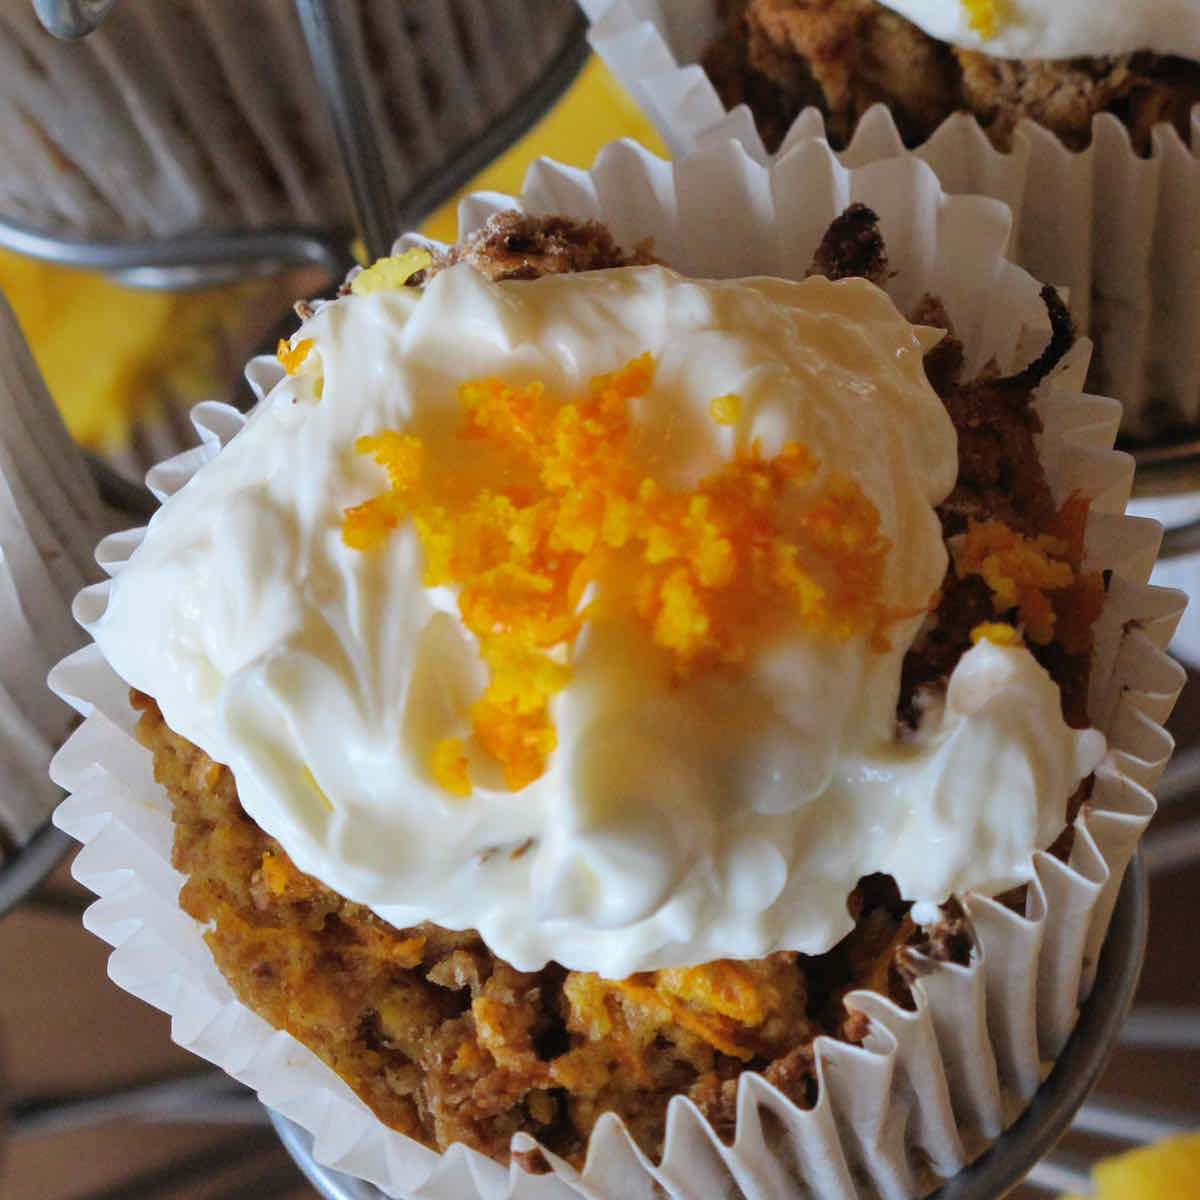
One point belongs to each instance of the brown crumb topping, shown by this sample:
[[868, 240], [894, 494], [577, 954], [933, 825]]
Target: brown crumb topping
[[446, 1042], [853, 248], [515, 245]]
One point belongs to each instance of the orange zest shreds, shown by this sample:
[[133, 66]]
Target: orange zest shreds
[[1019, 570], [520, 741], [725, 410], [391, 272], [762, 542], [512, 717], [402, 456], [275, 873], [997, 632], [448, 764], [496, 410], [984, 16], [366, 525], [291, 357]]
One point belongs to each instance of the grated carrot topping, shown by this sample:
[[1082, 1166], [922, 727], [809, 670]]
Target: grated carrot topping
[[709, 568]]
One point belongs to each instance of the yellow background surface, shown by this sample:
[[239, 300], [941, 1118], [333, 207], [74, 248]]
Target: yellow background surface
[[109, 352]]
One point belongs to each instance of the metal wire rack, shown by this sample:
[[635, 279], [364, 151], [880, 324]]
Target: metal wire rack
[[213, 256]]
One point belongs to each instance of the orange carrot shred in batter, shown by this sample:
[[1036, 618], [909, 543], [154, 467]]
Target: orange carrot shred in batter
[[708, 566], [274, 873]]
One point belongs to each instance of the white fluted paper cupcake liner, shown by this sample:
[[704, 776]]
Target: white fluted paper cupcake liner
[[1119, 232], [1182, 572], [49, 520], [206, 113], [930, 1086]]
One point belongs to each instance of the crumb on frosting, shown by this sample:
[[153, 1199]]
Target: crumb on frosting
[[391, 272]]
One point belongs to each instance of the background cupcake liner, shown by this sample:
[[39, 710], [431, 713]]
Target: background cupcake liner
[[1182, 572], [933, 1085], [206, 113], [50, 517], [1120, 232]]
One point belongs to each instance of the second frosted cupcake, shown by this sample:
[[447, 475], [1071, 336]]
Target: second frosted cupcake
[[1114, 223]]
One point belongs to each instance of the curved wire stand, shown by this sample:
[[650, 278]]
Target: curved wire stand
[[71, 18], [26, 870], [220, 256]]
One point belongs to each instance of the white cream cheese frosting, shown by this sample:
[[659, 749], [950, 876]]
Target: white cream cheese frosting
[[727, 816], [1059, 28]]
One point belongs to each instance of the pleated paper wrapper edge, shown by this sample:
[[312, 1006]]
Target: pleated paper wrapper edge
[[886, 1104], [1118, 231]]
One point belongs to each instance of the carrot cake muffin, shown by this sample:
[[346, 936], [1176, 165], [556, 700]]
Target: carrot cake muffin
[[577, 678], [1054, 62]]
